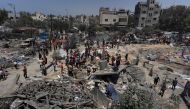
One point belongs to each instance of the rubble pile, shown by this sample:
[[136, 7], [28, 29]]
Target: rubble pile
[[138, 98], [5, 102], [65, 93], [14, 54], [136, 73]]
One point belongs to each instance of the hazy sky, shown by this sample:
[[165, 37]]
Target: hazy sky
[[73, 7]]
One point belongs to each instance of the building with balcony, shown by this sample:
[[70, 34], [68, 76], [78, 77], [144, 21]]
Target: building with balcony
[[147, 13]]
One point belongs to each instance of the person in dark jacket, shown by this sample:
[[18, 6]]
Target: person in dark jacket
[[156, 80], [25, 72], [163, 89], [174, 83], [112, 60]]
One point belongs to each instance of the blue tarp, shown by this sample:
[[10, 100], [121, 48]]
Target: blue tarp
[[43, 36], [110, 91]]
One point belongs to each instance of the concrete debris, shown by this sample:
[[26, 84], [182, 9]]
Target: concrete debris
[[5, 102], [136, 73], [66, 94]]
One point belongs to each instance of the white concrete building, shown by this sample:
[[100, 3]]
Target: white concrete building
[[39, 16], [108, 17], [83, 19], [12, 16]]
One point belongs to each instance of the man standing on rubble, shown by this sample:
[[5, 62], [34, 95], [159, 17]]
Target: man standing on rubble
[[103, 43], [25, 72], [126, 55], [40, 56], [137, 61], [88, 70], [163, 89], [54, 65], [156, 80], [174, 83], [112, 60], [98, 43], [118, 60], [78, 61], [61, 67], [2, 73], [118, 41], [44, 70]]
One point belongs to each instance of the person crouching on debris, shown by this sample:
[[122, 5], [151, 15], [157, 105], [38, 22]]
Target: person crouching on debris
[[15, 65], [25, 72], [156, 80], [94, 68], [174, 83], [70, 70]]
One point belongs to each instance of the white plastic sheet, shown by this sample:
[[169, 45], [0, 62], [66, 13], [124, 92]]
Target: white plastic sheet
[[62, 53]]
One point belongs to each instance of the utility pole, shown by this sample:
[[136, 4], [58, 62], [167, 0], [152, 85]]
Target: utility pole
[[51, 22], [14, 10], [67, 17]]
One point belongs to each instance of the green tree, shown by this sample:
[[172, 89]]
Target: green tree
[[131, 21], [175, 18], [3, 16], [82, 27], [24, 20], [100, 28], [92, 30], [122, 31]]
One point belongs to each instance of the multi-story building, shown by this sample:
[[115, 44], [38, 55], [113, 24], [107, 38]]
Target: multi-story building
[[147, 13], [108, 17], [39, 16]]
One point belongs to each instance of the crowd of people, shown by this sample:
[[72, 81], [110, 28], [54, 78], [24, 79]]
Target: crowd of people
[[81, 59], [93, 52]]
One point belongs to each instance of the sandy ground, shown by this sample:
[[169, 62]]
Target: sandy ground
[[9, 85]]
